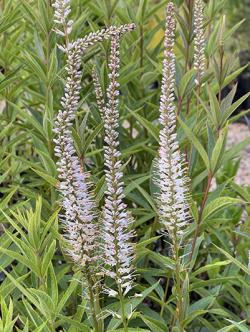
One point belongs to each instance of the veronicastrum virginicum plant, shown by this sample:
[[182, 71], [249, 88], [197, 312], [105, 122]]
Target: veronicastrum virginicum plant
[[173, 182], [82, 232], [202, 233]]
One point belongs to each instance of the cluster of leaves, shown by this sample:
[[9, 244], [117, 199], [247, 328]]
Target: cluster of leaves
[[40, 289]]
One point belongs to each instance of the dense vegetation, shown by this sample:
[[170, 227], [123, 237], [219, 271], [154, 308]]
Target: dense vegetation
[[41, 289]]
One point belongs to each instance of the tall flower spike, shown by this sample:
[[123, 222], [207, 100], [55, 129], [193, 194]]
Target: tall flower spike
[[118, 249], [199, 42], [173, 207], [78, 202], [81, 230]]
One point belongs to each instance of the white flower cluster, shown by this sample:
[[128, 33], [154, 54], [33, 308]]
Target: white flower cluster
[[62, 11], [81, 229], [199, 42], [100, 35], [117, 236], [173, 206], [78, 202]]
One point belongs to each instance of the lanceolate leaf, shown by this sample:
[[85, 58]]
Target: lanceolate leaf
[[194, 140], [218, 204], [234, 261]]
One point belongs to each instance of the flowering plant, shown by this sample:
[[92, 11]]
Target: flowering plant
[[121, 208]]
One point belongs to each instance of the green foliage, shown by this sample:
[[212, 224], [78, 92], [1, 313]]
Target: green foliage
[[40, 288]]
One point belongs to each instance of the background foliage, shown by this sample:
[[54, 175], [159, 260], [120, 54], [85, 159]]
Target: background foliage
[[40, 289]]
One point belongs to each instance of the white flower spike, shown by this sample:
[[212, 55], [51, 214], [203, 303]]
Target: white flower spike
[[62, 11], [78, 202], [173, 183], [117, 237], [199, 42]]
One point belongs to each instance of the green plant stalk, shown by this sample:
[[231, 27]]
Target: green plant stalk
[[203, 204], [123, 311], [120, 292], [93, 301], [164, 298], [179, 297], [221, 76]]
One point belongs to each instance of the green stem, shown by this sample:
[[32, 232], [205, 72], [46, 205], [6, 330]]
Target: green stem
[[164, 298], [203, 203], [92, 301], [221, 75], [123, 312], [179, 297]]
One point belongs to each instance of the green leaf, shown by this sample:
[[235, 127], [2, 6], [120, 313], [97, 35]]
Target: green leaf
[[229, 111], [242, 192], [194, 140], [153, 131], [131, 305], [147, 197], [92, 136], [48, 257], [52, 181], [22, 259], [53, 65], [185, 82], [210, 267], [217, 204], [218, 151], [234, 261], [232, 327], [214, 105], [233, 75], [235, 150], [194, 315], [37, 68], [154, 324], [22, 289], [68, 292]]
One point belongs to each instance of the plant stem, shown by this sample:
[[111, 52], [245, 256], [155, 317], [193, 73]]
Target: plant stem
[[179, 298], [221, 75], [165, 297], [92, 300], [123, 312], [203, 203]]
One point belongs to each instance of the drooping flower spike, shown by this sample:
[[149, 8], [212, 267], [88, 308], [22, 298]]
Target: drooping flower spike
[[173, 182], [199, 42]]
